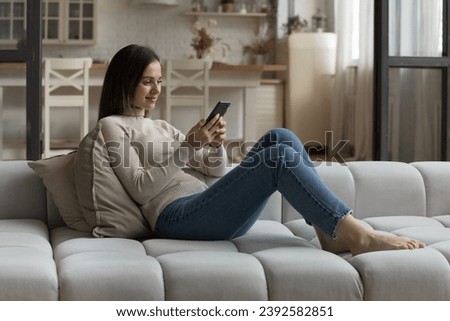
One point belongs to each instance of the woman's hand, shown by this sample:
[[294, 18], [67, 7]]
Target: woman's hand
[[213, 133], [220, 133]]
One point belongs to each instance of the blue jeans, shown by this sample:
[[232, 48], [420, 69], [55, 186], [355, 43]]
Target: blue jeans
[[228, 209]]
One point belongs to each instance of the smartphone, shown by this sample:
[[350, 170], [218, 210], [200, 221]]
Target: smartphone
[[220, 108]]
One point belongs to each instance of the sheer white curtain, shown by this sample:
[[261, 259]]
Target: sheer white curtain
[[339, 113], [364, 90], [354, 125]]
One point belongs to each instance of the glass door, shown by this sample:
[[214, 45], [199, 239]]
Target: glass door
[[411, 80], [20, 79]]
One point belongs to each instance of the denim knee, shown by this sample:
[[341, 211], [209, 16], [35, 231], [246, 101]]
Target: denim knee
[[283, 135], [276, 156]]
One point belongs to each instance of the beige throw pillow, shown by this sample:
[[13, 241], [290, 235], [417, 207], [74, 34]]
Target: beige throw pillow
[[106, 205], [57, 174]]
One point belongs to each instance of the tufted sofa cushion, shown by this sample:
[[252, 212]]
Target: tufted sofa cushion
[[27, 268]]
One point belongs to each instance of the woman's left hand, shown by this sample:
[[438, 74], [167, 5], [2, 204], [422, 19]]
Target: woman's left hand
[[212, 133], [220, 133]]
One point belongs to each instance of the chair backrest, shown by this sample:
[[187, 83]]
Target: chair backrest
[[192, 74], [66, 72], [66, 84]]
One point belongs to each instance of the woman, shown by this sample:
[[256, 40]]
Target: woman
[[179, 206]]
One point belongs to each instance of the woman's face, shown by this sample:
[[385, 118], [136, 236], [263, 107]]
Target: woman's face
[[149, 87]]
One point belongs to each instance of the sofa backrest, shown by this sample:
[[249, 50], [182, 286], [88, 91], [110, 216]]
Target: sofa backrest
[[375, 188], [371, 188], [22, 193], [436, 179]]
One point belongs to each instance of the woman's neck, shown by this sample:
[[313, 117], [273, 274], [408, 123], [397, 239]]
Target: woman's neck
[[134, 111]]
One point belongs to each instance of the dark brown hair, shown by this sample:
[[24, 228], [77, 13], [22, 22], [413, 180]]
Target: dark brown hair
[[122, 77]]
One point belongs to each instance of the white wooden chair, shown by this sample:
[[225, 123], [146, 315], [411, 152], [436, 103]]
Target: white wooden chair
[[191, 74], [61, 75]]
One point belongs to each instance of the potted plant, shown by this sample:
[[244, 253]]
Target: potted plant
[[295, 24], [227, 5], [204, 39], [259, 49]]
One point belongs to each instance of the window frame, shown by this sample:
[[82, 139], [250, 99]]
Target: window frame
[[31, 55], [383, 62]]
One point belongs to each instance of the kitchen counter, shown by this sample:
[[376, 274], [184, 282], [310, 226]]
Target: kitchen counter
[[238, 82], [258, 68], [215, 66], [13, 74]]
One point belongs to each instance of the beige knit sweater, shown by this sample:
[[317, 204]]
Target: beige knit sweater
[[148, 156]]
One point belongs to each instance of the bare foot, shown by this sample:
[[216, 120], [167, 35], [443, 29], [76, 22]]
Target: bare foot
[[379, 242], [354, 237]]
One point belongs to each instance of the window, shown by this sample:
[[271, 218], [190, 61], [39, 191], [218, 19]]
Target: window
[[20, 127], [412, 74]]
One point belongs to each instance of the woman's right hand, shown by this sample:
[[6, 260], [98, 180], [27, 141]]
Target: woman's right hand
[[202, 134]]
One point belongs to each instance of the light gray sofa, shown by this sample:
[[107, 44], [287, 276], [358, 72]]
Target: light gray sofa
[[279, 259]]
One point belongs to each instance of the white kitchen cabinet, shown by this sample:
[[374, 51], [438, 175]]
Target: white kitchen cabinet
[[69, 22], [12, 21], [309, 82], [63, 21]]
